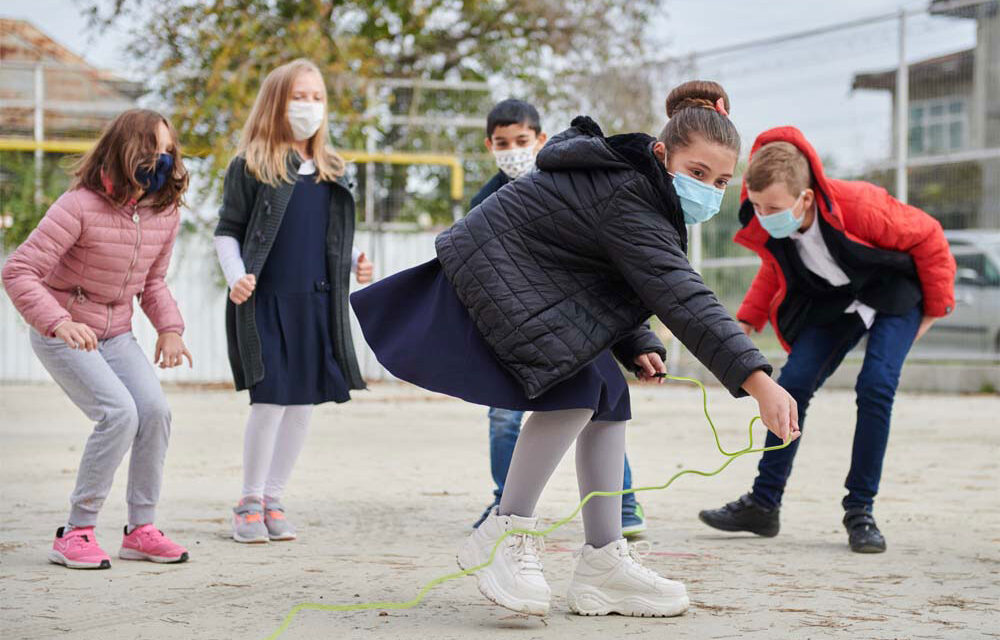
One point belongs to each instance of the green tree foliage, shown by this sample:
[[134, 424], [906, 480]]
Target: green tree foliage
[[208, 58], [17, 191]]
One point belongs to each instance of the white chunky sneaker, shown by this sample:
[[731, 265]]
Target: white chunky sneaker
[[611, 580], [514, 579]]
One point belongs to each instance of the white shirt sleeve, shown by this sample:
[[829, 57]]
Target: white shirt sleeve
[[354, 259], [817, 258], [230, 258]]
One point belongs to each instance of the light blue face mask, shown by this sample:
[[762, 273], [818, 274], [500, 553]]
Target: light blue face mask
[[699, 201], [782, 224]]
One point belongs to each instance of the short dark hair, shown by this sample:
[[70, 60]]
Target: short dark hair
[[512, 111]]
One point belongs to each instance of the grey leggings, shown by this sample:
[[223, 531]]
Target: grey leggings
[[600, 462]]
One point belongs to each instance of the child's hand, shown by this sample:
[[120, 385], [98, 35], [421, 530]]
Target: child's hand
[[747, 327], [925, 324], [170, 351], [77, 335], [365, 269], [778, 410], [649, 365], [243, 289]]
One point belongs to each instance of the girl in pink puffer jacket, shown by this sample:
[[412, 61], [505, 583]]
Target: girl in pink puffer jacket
[[102, 243]]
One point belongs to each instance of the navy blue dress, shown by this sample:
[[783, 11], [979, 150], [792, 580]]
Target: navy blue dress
[[422, 333], [293, 306]]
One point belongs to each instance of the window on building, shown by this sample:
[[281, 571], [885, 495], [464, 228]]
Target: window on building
[[938, 126]]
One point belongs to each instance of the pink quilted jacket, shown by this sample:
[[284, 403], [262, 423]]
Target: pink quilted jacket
[[87, 260]]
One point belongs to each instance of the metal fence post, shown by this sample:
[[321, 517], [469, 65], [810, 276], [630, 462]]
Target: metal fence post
[[39, 132], [902, 113], [370, 148]]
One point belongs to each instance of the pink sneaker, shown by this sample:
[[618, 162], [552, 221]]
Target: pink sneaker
[[78, 549], [146, 542]]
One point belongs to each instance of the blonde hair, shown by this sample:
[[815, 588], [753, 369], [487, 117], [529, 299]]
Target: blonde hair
[[267, 138], [779, 162]]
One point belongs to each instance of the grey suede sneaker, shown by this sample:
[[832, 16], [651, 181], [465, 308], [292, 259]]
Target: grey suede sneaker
[[278, 528], [248, 521]]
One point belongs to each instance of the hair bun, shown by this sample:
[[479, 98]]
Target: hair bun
[[701, 94]]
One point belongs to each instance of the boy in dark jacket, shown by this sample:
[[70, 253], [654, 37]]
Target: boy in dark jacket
[[514, 136], [839, 261]]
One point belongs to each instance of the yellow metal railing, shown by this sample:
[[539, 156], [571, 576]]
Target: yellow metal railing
[[52, 146], [402, 157], [352, 155]]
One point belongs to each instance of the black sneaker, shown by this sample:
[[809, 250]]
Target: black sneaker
[[743, 515], [863, 534]]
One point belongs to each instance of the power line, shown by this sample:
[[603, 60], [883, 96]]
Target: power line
[[798, 35]]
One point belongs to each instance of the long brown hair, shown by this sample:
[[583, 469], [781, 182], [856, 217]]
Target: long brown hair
[[267, 136], [127, 144], [692, 110]]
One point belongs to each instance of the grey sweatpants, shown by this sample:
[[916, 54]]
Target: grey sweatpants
[[600, 465], [116, 387]]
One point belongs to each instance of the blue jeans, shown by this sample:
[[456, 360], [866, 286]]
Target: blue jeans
[[816, 354], [505, 426]]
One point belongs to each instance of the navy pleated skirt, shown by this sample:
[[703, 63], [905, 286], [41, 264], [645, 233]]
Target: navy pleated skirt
[[293, 307], [422, 333]]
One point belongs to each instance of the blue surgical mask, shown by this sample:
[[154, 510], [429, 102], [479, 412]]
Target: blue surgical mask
[[699, 201], [782, 224], [153, 180]]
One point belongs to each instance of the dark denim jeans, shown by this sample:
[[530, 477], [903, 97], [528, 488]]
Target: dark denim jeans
[[505, 426], [816, 354]]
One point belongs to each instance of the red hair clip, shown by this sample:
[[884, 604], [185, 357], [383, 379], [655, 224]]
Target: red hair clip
[[720, 106]]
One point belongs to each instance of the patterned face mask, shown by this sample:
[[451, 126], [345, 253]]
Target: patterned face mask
[[515, 162]]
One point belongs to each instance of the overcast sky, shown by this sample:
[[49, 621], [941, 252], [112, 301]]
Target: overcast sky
[[805, 83]]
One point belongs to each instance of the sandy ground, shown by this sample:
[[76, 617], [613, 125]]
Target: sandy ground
[[390, 483]]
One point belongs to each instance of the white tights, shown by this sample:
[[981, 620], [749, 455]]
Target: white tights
[[274, 438]]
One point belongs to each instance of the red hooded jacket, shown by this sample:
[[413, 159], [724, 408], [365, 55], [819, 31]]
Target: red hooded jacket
[[896, 255]]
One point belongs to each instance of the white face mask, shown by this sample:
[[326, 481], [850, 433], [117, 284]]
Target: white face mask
[[305, 117], [515, 162]]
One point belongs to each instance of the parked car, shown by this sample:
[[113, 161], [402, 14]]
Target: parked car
[[974, 325]]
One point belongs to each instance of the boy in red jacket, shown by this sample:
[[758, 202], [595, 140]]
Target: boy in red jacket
[[839, 260]]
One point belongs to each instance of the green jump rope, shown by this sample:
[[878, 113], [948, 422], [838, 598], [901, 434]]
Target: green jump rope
[[408, 604]]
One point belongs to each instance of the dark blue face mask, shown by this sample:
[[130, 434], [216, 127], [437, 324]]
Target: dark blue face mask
[[153, 180]]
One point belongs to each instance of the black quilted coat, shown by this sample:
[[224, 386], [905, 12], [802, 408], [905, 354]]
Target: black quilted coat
[[572, 259]]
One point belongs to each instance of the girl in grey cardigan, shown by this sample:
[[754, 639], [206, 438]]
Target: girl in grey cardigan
[[284, 240]]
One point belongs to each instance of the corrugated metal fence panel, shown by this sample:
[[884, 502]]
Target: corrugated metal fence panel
[[196, 282]]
